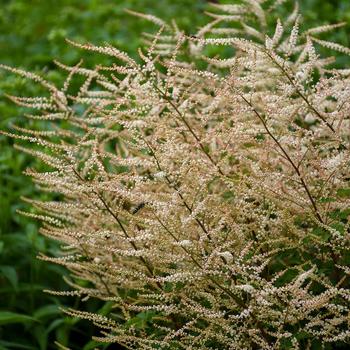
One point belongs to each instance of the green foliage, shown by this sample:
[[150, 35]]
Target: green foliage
[[32, 35]]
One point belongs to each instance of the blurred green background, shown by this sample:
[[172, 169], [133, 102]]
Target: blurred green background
[[32, 35]]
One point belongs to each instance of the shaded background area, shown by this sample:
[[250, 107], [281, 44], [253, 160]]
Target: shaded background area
[[32, 34]]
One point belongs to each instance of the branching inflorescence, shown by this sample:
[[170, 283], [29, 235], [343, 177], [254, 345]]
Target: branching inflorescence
[[209, 207]]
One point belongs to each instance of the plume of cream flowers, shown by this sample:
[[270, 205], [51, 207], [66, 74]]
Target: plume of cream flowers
[[212, 205]]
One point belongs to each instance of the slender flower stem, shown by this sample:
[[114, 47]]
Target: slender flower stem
[[294, 166]]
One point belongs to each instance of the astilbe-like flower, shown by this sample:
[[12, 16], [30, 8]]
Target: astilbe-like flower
[[208, 207]]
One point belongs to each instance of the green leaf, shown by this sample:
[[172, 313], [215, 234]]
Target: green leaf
[[339, 227], [47, 311], [106, 308], [5, 345], [62, 334], [7, 317], [54, 324], [41, 336], [338, 214], [92, 344], [302, 335], [287, 277], [10, 273], [260, 137], [321, 233], [140, 320], [343, 192], [286, 343], [327, 200]]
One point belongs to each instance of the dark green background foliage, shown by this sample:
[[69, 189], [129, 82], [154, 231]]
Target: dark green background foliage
[[32, 35]]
